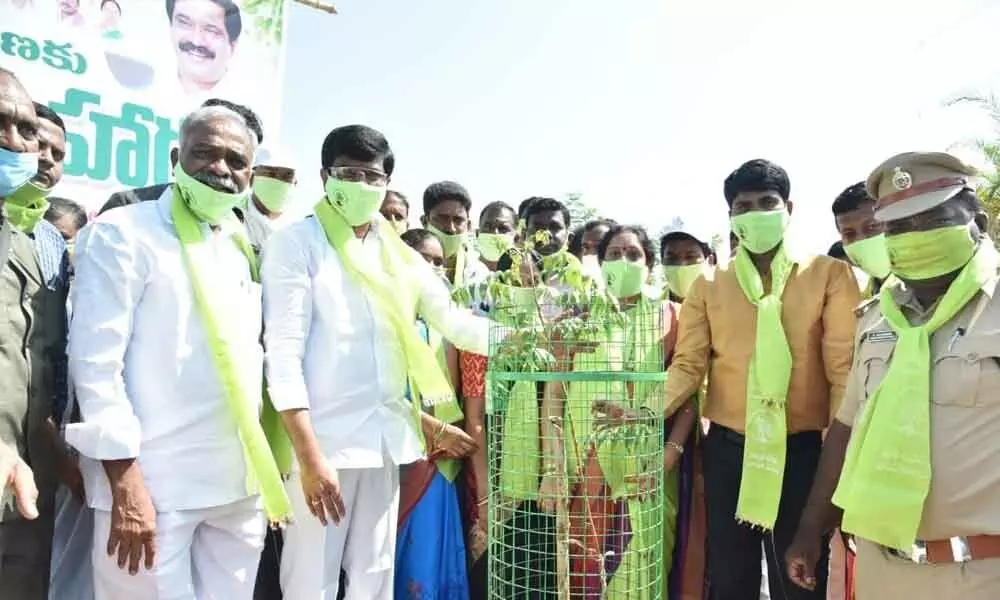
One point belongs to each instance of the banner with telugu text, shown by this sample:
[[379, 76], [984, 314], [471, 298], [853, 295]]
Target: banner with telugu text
[[123, 73]]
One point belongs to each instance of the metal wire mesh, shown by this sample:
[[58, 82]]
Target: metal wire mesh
[[574, 403]]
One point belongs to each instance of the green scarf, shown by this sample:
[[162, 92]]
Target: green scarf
[[261, 466], [393, 292], [767, 393], [447, 466], [27, 206], [887, 470]]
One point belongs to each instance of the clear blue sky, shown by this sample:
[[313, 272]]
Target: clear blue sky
[[643, 105]]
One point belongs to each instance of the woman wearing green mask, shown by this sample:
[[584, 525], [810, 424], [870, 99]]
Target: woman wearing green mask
[[611, 495], [684, 258]]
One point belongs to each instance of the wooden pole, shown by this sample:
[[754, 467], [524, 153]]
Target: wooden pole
[[319, 5]]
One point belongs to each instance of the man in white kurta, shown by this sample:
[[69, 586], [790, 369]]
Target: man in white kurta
[[330, 352], [155, 420]]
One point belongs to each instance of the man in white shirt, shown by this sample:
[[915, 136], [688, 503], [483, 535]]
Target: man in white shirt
[[337, 371], [166, 469]]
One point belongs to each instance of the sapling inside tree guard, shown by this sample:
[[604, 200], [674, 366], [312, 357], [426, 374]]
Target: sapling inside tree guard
[[574, 402]]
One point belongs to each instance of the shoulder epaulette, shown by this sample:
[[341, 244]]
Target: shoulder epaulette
[[862, 308]]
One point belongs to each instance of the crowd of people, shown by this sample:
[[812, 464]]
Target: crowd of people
[[204, 397]]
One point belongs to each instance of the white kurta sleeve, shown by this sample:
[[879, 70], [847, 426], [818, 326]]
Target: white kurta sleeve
[[110, 278], [456, 324], [288, 301]]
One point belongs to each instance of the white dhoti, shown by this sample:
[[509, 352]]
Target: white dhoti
[[72, 576], [202, 554], [363, 544]]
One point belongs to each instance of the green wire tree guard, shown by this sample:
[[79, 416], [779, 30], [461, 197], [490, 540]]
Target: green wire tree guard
[[577, 489]]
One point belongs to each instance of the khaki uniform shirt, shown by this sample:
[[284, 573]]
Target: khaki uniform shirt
[[964, 497], [716, 335]]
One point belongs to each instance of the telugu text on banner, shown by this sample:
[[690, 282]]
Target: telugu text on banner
[[122, 73]]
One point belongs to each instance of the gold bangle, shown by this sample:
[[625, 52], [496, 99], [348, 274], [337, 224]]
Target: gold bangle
[[675, 446]]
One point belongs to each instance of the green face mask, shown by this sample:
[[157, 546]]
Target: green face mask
[[451, 243], [872, 255], [680, 278], [207, 203], [272, 193], [623, 278], [357, 202], [760, 231], [492, 245], [26, 207], [919, 255], [400, 227]]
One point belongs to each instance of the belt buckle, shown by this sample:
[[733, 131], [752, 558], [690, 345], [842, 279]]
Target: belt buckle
[[960, 551]]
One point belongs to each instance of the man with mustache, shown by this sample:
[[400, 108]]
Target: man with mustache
[[177, 466], [153, 192], [33, 337], [205, 33]]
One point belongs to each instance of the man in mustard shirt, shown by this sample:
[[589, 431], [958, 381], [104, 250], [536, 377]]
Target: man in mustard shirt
[[773, 333], [917, 481]]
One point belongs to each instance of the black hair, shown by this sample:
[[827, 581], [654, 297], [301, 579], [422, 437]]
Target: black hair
[[44, 112], [837, 251], [522, 208], [251, 118], [673, 235], [415, 237], [506, 261], [970, 199], [233, 18], [538, 205], [851, 199], [640, 232], [357, 142], [61, 207], [757, 175], [399, 196], [118, 6], [8, 73], [496, 205], [575, 243], [444, 191]]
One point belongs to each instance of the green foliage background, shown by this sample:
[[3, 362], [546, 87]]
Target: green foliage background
[[268, 19]]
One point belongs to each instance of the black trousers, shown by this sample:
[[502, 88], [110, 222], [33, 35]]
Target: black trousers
[[734, 557], [268, 585]]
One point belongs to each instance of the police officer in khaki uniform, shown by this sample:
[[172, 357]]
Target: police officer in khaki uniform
[[929, 198]]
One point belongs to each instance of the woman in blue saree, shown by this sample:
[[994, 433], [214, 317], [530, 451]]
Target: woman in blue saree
[[430, 540]]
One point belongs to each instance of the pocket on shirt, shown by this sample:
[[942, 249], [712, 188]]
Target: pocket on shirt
[[972, 377], [873, 357]]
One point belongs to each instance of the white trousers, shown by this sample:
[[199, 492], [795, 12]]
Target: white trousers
[[72, 576], [363, 544], [203, 554]]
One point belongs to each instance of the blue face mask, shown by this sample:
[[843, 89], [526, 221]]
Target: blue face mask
[[16, 169]]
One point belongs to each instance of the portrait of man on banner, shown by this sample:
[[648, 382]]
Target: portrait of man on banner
[[205, 34]]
